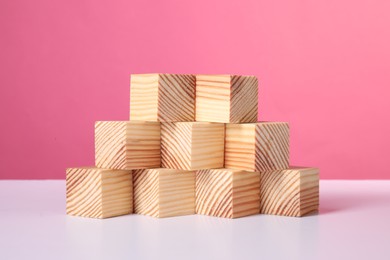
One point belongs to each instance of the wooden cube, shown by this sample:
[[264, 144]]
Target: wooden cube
[[257, 147], [226, 98], [192, 145], [98, 193], [227, 193], [162, 97], [292, 192], [164, 192], [127, 144]]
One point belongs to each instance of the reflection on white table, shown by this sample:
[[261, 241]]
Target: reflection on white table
[[353, 223]]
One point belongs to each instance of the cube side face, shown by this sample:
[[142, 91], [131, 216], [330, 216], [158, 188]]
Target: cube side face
[[176, 145], [144, 97], [110, 148], [246, 194], [177, 193], [214, 193], [213, 98], [208, 145], [143, 145], [84, 192], [272, 146], [244, 99], [146, 192], [280, 193], [309, 187], [117, 193], [240, 146], [176, 98]]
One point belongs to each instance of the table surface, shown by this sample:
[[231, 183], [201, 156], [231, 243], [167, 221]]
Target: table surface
[[353, 223]]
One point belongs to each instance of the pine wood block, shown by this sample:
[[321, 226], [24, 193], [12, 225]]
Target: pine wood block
[[226, 98], [257, 147], [127, 144], [227, 193], [164, 192], [98, 193], [162, 97], [192, 145], [293, 192]]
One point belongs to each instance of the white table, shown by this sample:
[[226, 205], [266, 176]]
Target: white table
[[353, 223]]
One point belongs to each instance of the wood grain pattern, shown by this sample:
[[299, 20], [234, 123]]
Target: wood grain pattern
[[259, 147], [192, 145], [162, 97], [98, 193], [227, 193], [292, 192], [226, 98], [164, 192], [127, 144]]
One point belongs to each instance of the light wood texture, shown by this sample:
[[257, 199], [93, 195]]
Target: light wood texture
[[226, 98], [164, 192], [162, 97], [192, 145], [127, 144], [98, 193], [257, 147], [293, 192], [227, 193]]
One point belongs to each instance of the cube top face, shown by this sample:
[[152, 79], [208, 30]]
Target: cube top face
[[226, 98], [291, 192], [227, 193], [259, 147], [165, 171], [192, 145], [164, 192], [98, 193], [127, 144], [162, 97]]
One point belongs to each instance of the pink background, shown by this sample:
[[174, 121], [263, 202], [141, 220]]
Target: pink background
[[323, 66]]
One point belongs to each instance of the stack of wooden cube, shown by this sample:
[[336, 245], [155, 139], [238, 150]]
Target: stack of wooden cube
[[192, 146]]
